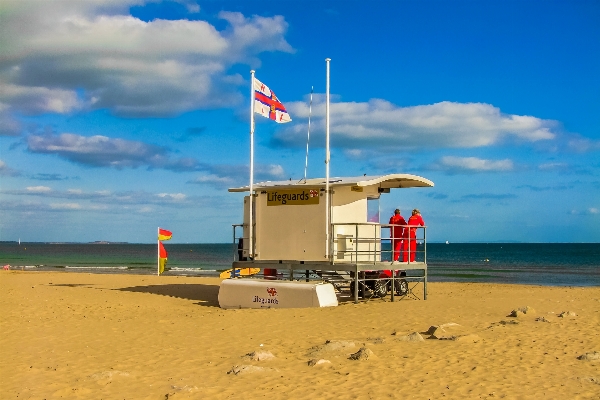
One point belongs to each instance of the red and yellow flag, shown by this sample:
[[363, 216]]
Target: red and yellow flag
[[164, 234], [162, 258]]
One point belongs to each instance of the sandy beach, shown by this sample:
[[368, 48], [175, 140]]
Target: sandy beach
[[101, 336]]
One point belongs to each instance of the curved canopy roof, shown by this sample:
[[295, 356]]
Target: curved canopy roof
[[390, 181]]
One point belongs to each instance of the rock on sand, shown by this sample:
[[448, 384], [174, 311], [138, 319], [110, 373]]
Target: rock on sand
[[260, 355], [593, 356], [332, 345], [314, 362], [362, 354], [471, 338], [449, 331], [413, 337], [519, 312], [566, 314], [247, 369]]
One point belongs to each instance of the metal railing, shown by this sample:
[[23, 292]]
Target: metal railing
[[360, 245], [363, 243], [371, 243]]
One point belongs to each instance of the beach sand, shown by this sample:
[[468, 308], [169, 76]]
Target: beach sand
[[102, 336]]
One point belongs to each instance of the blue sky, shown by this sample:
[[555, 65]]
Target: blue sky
[[118, 116]]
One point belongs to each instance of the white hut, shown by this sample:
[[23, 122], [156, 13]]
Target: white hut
[[291, 231]]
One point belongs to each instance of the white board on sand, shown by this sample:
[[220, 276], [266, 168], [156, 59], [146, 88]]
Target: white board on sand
[[259, 293]]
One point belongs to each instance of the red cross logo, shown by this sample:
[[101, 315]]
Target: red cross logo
[[313, 193], [272, 102], [272, 291]]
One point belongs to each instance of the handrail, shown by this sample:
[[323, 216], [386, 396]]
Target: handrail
[[356, 243], [236, 239]]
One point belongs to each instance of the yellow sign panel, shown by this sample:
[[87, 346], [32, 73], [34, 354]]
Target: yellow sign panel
[[293, 197]]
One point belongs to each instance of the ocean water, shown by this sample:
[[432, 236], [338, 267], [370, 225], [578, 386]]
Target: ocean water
[[555, 264], [114, 257]]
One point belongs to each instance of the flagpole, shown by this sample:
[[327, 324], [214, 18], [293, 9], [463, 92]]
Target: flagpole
[[327, 157], [308, 135], [251, 210]]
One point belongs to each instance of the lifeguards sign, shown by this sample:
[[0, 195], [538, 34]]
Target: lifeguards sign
[[293, 197]]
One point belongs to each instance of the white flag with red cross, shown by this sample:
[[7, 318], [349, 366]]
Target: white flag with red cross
[[268, 105]]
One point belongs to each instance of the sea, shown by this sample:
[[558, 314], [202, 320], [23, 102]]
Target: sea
[[549, 264]]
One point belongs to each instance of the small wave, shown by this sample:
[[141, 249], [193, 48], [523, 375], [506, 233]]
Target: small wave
[[96, 267], [192, 269]]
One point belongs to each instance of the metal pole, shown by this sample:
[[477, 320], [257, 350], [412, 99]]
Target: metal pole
[[393, 284], [425, 264], [424, 245], [356, 284], [356, 243], [327, 222], [308, 135], [251, 210], [234, 244]]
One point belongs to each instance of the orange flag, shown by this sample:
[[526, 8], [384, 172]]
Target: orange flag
[[164, 234], [162, 258]]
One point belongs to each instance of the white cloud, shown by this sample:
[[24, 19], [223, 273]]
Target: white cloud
[[354, 153], [102, 151], [9, 126], [36, 100], [101, 200], [223, 176], [589, 211], [382, 124], [38, 189], [64, 55], [270, 171], [214, 180], [5, 170], [65, 206], [472, 164], [172, 196], [99, 151], [553, 166], [580, 144]]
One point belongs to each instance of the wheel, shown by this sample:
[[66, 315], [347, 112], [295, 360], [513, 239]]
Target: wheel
[[380, 288], [401, 287]]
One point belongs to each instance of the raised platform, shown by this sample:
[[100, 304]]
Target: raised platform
[[416, 271]]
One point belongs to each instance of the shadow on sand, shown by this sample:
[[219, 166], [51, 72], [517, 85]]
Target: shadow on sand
[[205, 295]]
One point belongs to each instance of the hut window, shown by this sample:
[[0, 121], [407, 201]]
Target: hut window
[[373, 209]]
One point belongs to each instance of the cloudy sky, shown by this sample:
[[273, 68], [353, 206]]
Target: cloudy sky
[[119, 116]]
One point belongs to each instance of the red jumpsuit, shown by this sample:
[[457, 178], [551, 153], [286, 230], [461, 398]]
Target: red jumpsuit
[[397, 234], [410, 237]]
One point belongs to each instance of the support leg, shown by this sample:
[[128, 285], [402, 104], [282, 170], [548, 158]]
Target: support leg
[[356, 286]]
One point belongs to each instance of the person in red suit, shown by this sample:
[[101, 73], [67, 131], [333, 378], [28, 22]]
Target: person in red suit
[[397, 233], [410, 236]]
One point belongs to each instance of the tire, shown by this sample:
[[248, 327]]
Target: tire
[[380, 288], [401, 287]]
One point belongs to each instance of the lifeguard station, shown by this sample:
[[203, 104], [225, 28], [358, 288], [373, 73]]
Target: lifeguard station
[[301, 230]]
